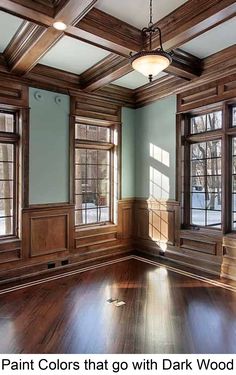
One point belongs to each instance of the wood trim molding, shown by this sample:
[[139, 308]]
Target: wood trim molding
[[192, 19], [32, 41]]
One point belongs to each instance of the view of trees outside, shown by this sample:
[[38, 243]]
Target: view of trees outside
[[6, 177], [206, 189], [92, 176]]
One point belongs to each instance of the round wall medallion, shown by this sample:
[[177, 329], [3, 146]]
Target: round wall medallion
[[58, 99], [38, 96]]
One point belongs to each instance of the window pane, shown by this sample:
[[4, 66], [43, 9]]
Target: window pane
[[213, 149], [92, 215], [6, 171], [214, 166], [6, 226], [198, 124], [104, 214], [214, 218], [198, 200], [80, 156], [103, 157], [214, 184], [91, 157], [80, 171], [198, 168], [198, 151], [103, 171], [213, 201], [207, 122], [6, 122], [198, 184], [6, 207], [214, 120], [80, 217], [92, 171], [205, 182], [198, 217], [92, 133], [234, 116], [6, 189], [6, 152], [92, 186]]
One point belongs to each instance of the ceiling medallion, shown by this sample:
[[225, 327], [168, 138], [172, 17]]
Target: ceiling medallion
[[151, 62]]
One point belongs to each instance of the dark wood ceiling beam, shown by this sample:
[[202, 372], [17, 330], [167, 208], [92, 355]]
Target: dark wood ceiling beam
[[104, 72], [183, 24], [113, 67], [184, 65], [118, 35], [215, 67], [192, 19], [26, 13], [28, 46], [43, 7]]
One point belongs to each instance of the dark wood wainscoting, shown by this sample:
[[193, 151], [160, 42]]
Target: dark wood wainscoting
[[47, 240], [98, 242], [157, 233], [47, 231]]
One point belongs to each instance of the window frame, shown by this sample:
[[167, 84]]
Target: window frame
[[184, 138], [13, 138], [112, 147]]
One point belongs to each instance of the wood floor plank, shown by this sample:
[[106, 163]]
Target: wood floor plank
[[165, 312]]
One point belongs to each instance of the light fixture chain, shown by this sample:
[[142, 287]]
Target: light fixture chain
[[151, 18]]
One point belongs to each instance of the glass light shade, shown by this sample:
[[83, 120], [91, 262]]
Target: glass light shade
[[151, 64]]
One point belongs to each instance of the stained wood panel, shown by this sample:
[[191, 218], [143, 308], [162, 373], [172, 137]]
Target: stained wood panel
[[48, 230], [10, 250], [217, 91], [156, 221], [13, 94]]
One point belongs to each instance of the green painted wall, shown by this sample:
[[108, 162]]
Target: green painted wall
[[49, 147], [155, 150], [128, 153]]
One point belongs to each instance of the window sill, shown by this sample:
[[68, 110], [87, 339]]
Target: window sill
[[94, 227]]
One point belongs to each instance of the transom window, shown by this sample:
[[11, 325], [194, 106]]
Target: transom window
[[94, 173], [8, 174]]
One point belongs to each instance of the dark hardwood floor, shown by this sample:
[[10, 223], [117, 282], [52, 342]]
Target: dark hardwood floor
[[165, 312]]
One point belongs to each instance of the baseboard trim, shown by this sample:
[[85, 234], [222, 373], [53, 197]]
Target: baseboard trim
[[64, 274], [207, 280]]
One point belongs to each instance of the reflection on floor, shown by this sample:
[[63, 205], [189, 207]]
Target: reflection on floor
[[165, 312]]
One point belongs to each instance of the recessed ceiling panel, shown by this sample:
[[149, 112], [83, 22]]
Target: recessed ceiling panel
[[136, 12], [8, 27], [73, 55], [134, 80], [213, 41]]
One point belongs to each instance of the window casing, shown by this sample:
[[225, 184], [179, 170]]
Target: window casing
[[9, 174], [207, 181], [95, 174]]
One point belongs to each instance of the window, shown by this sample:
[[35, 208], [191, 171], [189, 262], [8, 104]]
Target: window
[[205, 183], [94, 173], [201, 170], [9, 146]]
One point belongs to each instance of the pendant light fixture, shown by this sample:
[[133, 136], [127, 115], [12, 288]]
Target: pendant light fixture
[[151, 62]]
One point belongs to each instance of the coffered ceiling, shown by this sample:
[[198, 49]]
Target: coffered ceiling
[[73, 55], [214, 40], [8, 27], [100, 34], [136, 12]]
